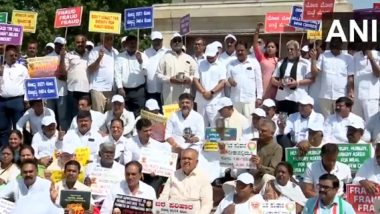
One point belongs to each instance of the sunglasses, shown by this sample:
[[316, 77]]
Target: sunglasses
[[177, 40]]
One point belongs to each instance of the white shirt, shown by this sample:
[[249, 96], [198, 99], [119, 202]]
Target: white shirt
[[239, 208], [129, 73], [209, 76], [303, 72], [367, 85], [77, 76], [145, 191], [334, 71], [36, 203], [18, 189], [373, 126], [249, 83], [119, 144], [127, 117], [136, 148], [370, 170], [316, 169], [225, 59], [98, 120], [45, 147], [34, 120], [335, 127], [153, 84], [61, 84], [12, 81], [103, 78], [297, 126]]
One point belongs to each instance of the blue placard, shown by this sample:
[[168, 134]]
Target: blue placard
[[297, 22], [138, 18], [41, 88], [213, 135], [184, 25]]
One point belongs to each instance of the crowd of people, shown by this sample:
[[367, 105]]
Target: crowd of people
[[315, 97]]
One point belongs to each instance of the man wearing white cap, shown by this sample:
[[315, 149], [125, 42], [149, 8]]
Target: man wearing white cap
[[209, 81], [64, 155], [219, 46], [176, 70], [315, 138], [101, 69], [355, 132], [253, 131], [89, 46], [154, 54], [269, 106], [49, 47], [229, 54]]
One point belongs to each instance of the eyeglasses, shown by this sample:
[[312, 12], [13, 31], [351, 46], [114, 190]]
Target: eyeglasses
[[319, 186], [177, 40]]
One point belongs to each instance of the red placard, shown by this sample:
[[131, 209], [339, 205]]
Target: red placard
[[376, 5], [360, 200], [277, 23], [68, 17], [313, 9]]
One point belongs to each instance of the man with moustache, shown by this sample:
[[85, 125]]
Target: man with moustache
[[328, 201], [31, 51], [229, 54]]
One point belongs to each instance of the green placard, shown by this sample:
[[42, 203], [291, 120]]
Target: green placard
[[3, 17], [353, 155]]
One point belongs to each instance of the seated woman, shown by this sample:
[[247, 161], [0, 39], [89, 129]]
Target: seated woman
[[239, 201], [15, 141], [27, 152], [282, 188], [8, 169]]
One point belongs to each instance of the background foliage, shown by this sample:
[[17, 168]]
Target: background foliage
[[46, 12]]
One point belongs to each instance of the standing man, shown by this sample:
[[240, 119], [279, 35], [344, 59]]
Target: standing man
[[176, 70], [244, 77], [31, 51], [130, 72], [154, 53], [199, 49], [77, 78], [101, 68], [229, 54], [12, 78]]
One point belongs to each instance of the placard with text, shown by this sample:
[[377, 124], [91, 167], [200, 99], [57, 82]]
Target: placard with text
[[278, 23], [27, 19], [361, 201], [131, 205], [238, 154], [68, 17], [313, 9], [104, 22]]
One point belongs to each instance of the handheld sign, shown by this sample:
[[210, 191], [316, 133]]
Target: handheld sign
[[104, 22], [175, 207], [314, 35], [3, 17], [6, 206], [129, 204], [184, 25], [138, 18], [11, 34], [68, 17], [297, 22], [27, 19], [42, 66], [277, 23], [361, 201], [79, 201], [41, 88], [313, 9]]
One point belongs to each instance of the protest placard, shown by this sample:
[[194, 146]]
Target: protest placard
[[57, 175], [138, 18], [175, 207], [314, 35], [41, 88], [313, 9], [68, 17], [160, 162], [238, 154], [297, 22], [27, 19], [158, 124], [78, 201], [3, 17], [273, 206], [361, 201], [11, 34], [104, 22], [6, 206], [277, 23], [128, 205], [210, 146], [376, 5], [184, 25], [82, 155], [42, 66], [102, 180], [220, 134], [169, 109]]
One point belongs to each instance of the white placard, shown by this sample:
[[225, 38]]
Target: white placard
[[273, 206], [103, 179], [238, 154], [6, 206], [159, 162], [175, 207]]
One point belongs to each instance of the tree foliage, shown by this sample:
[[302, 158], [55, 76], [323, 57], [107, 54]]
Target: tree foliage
[[46, 13]]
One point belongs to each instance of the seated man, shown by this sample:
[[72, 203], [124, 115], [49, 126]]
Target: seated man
[[315, 138], [151, 106], [355, 131], [328, 200], [252, 133], [65, 155], [327, 164], [84, 103], [189, 177], [116, 137], [131, 185]]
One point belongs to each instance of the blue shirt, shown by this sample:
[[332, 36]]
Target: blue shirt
[[312, 202]]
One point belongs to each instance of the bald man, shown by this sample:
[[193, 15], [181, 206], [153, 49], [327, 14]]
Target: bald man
[[189, 176]]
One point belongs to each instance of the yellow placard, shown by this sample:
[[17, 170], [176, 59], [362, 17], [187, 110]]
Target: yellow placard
[[57, 176], [211, 147], [104, 22], [82, 155], [27, 19], [314, 35], [169, 109]]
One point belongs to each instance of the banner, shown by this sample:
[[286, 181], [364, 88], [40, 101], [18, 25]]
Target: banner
[[184, 25], [78, 201], [359, 199], [297, 22], [41, 88], [82, 155], [138, 18], [11, 34], [314, 35], [104, 22], [175, 207], [3, 17], [68, 17], [131, 205], [313, 9], [27, 19], [238, 154], [103, 179], [169, 109], [158, 124], [42, 66], [277, 23], [6, 206], [222, 134], [159, 162], [273, 206], [353, 155]]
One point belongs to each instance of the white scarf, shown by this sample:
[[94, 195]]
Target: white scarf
[[291, 191]]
